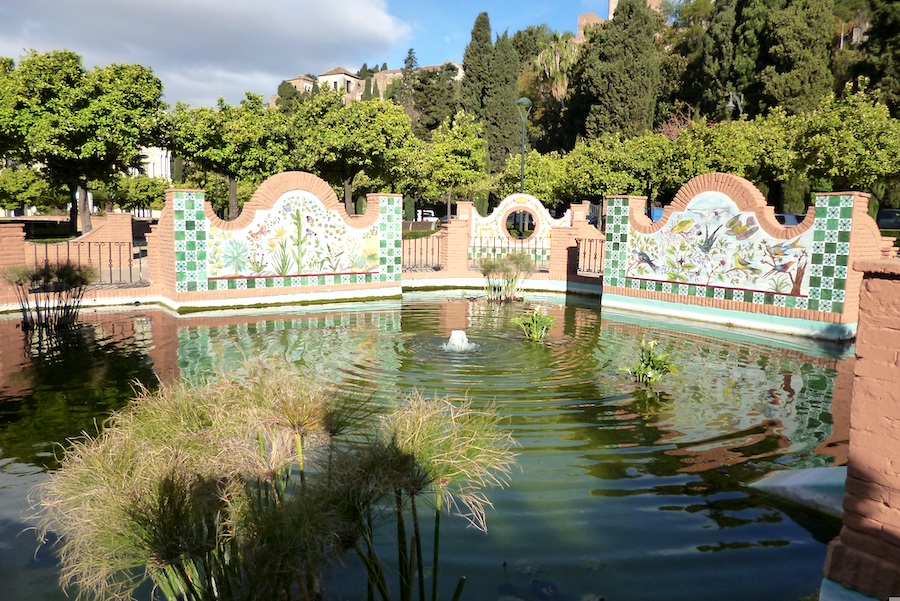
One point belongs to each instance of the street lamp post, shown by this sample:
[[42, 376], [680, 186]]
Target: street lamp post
[[735, 101], [524, 106]]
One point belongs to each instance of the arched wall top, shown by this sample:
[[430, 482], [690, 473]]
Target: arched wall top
[[277, 185], [745, 195], [740, 190], [493, 225]]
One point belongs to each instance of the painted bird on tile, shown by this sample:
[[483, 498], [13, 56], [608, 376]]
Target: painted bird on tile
[[707, 244], [780, 268], [740, 229], [742, 264], [707, 215], [644, 258], [682, 226], [779, 250]]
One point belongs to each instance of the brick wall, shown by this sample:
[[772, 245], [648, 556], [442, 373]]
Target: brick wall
[[866, 555]]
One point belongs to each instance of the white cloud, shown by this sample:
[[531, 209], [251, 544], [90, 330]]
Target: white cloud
[[203, 49]]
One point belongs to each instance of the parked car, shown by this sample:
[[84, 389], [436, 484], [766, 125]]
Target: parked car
[[788, 218], [445, 219], [889, 219], [425, 215]]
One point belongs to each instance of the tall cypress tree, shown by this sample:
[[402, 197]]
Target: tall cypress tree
[[476, 67], [501, 122], [750, 53], [407, 81], [436, 96], [882, 49], [615, 84], [799, 37], [712, 78]]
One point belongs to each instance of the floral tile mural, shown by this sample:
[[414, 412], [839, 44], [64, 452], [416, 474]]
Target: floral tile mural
[[713, 243], [297, 242], [297, 236]]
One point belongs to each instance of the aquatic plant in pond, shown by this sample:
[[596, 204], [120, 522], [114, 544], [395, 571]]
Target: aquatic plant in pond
[[251, 485], [504, 274], [652, 365], [50, 296], [535, 325]]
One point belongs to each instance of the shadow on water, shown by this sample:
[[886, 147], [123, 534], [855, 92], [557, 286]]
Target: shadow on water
[[66, 384], [621, 491]]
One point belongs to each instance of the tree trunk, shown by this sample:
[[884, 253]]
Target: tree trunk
[[84, 208], [232, 198], [73, 211], [348, 194]]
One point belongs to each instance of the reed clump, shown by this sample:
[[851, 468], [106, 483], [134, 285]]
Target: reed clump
[[251, 485], [50, 296], [504, 275]]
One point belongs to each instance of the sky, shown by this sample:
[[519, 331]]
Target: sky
[[206, 49]]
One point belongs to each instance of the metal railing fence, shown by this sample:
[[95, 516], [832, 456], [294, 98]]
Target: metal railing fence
[[422, 253], [114, 263]]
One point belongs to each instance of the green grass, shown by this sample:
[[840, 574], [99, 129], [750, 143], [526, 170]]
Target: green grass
[[413, 234], [892, 233]]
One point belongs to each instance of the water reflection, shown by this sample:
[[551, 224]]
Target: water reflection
[[623, 491]]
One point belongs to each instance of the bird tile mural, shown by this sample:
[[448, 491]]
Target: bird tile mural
[[713, 243], [712, 247]]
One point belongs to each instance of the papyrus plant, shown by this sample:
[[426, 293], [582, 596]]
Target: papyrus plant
[[251, 485]]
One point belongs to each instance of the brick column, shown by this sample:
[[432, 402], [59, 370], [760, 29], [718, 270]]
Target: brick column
[[455, 251], [865, 557]]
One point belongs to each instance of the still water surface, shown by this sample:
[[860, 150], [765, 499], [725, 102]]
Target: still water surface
[[618, 492]]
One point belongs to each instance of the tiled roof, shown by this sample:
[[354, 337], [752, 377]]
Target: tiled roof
[[338, 71]]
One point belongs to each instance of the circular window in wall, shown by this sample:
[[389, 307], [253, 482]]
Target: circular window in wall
[[520, 225]]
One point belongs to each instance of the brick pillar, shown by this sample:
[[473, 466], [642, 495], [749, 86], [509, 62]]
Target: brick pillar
[[161, 248], [455, 251], [12, 245], [865, 557], [563, 254]]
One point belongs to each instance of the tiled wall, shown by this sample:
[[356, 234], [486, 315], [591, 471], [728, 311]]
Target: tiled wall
[[490, 237], [290, 239], [719, 245]]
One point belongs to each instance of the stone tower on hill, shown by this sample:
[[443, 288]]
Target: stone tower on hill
[[654, 4], [586, 20]]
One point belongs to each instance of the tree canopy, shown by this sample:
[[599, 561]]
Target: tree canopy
[[77, 125]]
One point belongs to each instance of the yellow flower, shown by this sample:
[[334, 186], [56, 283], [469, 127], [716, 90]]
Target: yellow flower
[[370, 246]]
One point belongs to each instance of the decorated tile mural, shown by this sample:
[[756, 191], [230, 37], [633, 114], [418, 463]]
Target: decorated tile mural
[[296, 242], [713, 243], [712, 249], [296, 236]]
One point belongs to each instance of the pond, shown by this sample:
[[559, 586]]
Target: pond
[[619, 492]]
